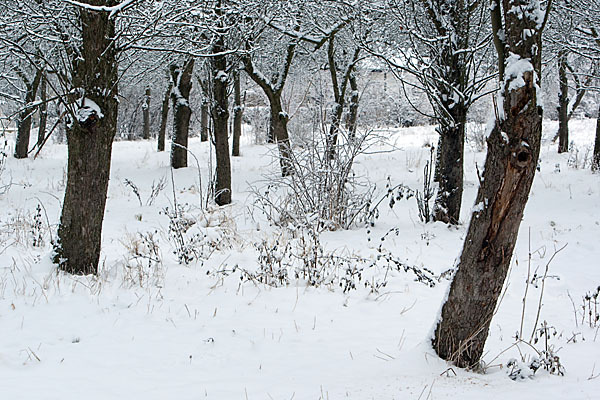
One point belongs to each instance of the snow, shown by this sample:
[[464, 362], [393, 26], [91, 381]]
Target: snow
[[186, 334], [515, 68], [87, 109]]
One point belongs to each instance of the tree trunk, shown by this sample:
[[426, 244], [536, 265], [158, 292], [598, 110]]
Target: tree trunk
[[146, 112], [181, 112], [334, 129], [279, 131], [204, 121], [220, 116], [43, 110], [353, 107], [164, 116], [513, 150], [449, 169], [596, 156], [563, 104], [89, 139], [238, 111], [452, 117], [24, 121]]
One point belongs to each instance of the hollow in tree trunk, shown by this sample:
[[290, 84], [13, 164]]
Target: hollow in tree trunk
[[182, 76], [89, 139], [513, 150]]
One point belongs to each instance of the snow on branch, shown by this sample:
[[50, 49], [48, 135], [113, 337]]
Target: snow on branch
[[112, 10]]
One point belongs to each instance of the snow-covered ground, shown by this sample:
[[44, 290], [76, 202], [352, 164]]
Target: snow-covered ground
[[186, 332]]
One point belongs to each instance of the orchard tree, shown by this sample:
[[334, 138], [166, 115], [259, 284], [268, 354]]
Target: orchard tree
[[513, 150], [439, 47], [84, 41]]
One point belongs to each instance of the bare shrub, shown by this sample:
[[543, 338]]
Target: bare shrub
[[323, 193], [143, 265]]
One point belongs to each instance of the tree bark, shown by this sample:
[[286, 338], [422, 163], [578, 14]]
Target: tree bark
[[596, 156], [204, 112], [563, 104], [238, 111], [43, 110], [182, 78], [89, 137], [278, 127], [146, 115], [164, 116], [353, 107], [449, 168], [24, 120], [220, 116], [513, 150]]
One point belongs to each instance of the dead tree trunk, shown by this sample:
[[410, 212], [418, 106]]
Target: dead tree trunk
[[43, 110], [24, 120], [146, 115], [238, 112], [180, 94], [563, 104], [220, 117], [89, 136], [164, 116], [513, 150]]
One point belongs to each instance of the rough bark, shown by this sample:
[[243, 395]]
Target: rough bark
[[24, 120], [220, 116], [43, 110], [563, 104], [89, 138], [510, 165], [164, 116], [596, 156], [449, 169], [146, 115], [182, 78], [238, 112]]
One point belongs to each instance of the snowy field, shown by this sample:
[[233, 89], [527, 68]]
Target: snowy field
[[190, 332]]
